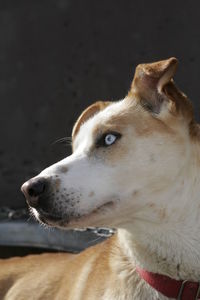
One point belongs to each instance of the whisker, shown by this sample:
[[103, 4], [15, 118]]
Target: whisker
[[64, 140]]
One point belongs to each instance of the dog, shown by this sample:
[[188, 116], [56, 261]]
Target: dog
[[135, 166]]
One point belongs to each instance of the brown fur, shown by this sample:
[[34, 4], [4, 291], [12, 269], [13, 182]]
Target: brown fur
[[88, 113]]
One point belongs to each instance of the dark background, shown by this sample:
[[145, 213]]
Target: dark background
[[58, 56]]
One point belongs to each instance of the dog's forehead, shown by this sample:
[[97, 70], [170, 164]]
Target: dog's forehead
[[123, 116], [104, 119]]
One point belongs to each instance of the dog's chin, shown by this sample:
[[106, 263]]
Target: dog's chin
[[45, 217], [94, 218]]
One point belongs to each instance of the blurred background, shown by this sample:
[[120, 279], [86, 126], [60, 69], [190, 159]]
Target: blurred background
[[59, 56]]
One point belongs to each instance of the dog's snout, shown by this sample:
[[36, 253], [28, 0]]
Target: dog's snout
[[32, 189], [36, 188]]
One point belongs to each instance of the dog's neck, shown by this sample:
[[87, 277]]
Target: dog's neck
[[171, 245]]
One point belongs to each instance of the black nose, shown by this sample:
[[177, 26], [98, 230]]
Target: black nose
[[36, 188], [32, 189]]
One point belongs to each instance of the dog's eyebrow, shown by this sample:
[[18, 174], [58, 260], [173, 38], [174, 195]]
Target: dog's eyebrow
[[105, 128]]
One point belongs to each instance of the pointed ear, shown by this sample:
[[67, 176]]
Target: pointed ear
[[87, 114], [150, 81]]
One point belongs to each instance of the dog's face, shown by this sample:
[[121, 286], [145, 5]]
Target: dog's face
[[123, 153]]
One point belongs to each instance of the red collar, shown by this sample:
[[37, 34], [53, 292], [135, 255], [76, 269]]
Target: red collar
[[171, 288]]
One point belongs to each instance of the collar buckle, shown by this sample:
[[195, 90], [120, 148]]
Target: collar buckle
[[182, 288]]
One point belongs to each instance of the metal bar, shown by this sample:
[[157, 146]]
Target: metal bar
[[32, 234], [181, 290], [198, 293]]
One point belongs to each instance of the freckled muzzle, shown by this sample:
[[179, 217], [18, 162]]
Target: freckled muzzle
[[49, 200]]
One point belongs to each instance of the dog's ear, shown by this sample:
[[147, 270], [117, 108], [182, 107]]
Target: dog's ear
[[150, 81], [87, 114]]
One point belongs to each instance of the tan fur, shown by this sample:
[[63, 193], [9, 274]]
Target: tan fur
[[154, 218], [88, 113], [63, 276]]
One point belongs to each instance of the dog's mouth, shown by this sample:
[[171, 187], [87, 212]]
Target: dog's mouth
[[70, 220]]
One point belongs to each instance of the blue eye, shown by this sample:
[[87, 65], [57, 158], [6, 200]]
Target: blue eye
[[110, 139], [107, 139]]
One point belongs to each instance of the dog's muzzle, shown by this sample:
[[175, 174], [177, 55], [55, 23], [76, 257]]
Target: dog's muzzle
[[40, 196]]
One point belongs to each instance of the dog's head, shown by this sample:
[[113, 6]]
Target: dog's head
[[125, 154]]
